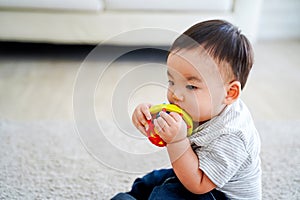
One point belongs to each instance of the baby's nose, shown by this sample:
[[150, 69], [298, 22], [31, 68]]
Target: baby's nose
[[177, 96]]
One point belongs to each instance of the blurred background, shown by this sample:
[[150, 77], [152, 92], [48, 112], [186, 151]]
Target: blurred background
[[43, 44], [44, 47]]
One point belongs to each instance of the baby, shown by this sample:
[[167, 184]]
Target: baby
[[208, 66]]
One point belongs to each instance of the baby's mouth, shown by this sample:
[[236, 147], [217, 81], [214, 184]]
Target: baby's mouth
[[178, 106]]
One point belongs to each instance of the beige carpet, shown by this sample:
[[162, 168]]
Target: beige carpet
[[47, 159]]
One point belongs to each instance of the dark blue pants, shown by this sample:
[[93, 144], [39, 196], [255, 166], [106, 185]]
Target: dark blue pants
[[163, 184]]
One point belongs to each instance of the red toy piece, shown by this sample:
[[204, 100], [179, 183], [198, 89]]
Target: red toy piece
[[153, 136]]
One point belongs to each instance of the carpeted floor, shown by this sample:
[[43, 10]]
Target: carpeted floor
[[46, 159], [43, 157]]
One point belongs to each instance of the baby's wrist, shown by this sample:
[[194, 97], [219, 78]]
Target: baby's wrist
[[178, 148], [177, 140]]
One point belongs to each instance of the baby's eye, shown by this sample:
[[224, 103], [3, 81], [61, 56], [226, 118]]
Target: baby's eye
[[191, 87], [170, 83]]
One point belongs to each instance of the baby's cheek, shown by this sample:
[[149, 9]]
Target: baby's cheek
[[200, 114], [196, 117], [169, 96]]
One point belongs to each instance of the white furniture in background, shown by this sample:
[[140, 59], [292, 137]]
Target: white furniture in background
[[112, 21]]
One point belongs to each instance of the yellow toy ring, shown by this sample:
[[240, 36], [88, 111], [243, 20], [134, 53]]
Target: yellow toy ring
[[173, 108]]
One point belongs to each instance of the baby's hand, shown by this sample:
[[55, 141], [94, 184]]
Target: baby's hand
[[171, 127], [140, 116]]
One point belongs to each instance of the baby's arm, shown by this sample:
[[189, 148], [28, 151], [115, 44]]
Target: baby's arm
[[172, 129], [186, 168]]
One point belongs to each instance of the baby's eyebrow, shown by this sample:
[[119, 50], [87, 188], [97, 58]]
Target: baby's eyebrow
[[193, 78], [187, 77]]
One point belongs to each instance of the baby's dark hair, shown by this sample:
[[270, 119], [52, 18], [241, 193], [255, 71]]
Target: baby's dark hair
[[224, 42]]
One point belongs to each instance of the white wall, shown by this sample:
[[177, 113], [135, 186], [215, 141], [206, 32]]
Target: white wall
[[280, 19]]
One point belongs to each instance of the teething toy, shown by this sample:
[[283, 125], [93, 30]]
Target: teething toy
[[154, 110]]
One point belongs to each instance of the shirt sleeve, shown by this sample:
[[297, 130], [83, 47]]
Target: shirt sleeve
[[222, 158]]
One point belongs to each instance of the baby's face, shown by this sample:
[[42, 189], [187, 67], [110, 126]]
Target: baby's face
[[195, 84]]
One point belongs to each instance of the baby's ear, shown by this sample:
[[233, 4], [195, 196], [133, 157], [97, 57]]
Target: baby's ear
[[233, 92]]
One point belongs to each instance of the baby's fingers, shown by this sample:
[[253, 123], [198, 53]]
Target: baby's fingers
[[139, 117], [142, 129], [146, 112], [177, 117], [140, 123]]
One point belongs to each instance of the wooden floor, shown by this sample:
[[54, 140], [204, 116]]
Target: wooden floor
[[37, 81]]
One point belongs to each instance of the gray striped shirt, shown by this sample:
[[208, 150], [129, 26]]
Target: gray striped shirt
[[228, 148]]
